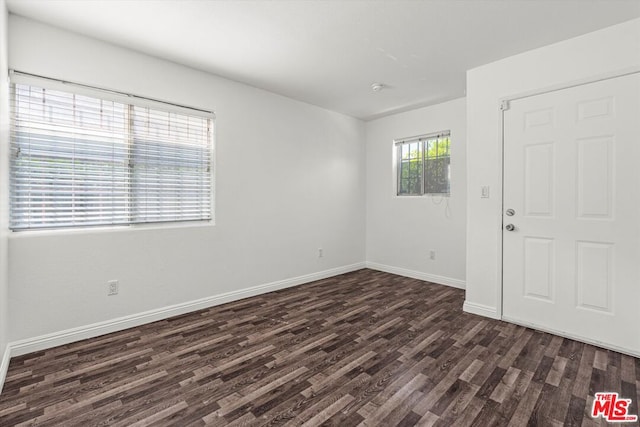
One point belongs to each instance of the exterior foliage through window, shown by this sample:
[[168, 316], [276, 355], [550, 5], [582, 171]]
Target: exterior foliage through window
[[424, 165]]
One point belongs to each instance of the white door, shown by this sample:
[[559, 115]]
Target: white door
[[571, 264]]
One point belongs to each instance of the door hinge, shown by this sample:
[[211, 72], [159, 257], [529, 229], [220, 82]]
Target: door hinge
[[504, 105]]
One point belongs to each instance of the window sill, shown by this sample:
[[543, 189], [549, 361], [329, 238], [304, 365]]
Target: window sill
[[416, 196], [109, 229]]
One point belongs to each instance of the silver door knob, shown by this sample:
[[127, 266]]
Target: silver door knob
[[510, 227], [510, 212]]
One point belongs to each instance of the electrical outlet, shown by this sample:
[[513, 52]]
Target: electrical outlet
[[113, 287], [320, 252], [432, 254]]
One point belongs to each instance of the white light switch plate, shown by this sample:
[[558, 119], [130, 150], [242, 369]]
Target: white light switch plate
[[484, 192]]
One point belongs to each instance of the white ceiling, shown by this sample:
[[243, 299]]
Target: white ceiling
[[328, 53]]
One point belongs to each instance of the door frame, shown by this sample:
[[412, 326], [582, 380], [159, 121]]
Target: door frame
[[503, 106]]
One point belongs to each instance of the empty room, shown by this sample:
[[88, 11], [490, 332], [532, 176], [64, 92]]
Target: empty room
[[319, 212]]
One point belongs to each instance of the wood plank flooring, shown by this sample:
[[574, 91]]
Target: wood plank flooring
[[361, 349]]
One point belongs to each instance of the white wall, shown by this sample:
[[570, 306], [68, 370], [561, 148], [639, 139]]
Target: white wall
[[601, 52], [290, 179], [4, 186], [402, 230]]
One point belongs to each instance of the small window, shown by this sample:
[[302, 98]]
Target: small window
[[424, 165], [79, 161]]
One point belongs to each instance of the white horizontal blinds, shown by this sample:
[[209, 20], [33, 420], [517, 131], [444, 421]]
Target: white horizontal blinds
[[171, 157], [79, 160], [69, 161]]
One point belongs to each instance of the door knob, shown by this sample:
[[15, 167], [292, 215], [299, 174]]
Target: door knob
[[510, 227]]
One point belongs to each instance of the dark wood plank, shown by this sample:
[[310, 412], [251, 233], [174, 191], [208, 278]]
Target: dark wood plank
[[363, 348]]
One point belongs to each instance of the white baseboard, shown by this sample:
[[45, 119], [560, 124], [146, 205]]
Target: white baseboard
[[564, 334], [480, 310], [441, 280], [44, 342], [4, 365]]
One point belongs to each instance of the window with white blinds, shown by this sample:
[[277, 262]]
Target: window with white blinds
[[79, 161]]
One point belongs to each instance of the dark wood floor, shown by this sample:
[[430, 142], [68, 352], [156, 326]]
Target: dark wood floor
[[365, 348]]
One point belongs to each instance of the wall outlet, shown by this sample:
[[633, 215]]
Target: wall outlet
[[320, 252], [432, 254], [113, 287]]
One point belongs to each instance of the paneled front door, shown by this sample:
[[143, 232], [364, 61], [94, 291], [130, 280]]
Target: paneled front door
[[571, 220]]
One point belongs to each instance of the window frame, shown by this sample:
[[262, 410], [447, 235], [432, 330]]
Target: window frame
[[422, 140], [130, 101]]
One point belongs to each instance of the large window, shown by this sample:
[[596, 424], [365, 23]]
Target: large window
[[81, 160], [423, 164]]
